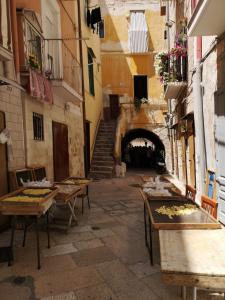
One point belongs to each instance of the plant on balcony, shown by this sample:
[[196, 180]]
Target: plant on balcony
[[161, 65], [138, 102], [181, 37], [178, 51], [33, 62], [178, 64]]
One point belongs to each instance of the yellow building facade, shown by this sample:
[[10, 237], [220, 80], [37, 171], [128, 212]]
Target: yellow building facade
[[133, 34], [91, 48]]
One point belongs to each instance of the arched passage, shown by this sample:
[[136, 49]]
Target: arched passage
[[142, 148]]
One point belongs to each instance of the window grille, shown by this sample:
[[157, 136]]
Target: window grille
[[38, 127]]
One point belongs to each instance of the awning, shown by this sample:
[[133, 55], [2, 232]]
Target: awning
[[138, 33], [208, 18], [6, 81]]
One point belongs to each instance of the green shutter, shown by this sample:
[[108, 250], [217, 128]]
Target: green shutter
[[91, 74]]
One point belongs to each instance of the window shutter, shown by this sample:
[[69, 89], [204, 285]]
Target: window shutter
[[91, 73]]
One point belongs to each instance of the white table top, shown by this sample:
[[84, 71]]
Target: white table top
[[200, 252]]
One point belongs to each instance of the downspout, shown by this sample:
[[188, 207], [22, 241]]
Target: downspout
[[15, 35], [168, 46], [199, 124], [82, 87]]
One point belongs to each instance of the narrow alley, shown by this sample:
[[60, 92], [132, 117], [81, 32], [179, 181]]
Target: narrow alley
[[112, 150], [104, 258]]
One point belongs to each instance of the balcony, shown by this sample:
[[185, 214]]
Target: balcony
[[172, 69], [63, 68], [208, 18], [5, 31]]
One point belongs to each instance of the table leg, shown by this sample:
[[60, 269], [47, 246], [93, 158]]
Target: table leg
[[38, 244], [47, 227], [13, 225], [146, 240], [72, 216], [194, 293], [88, 197], [150, 241], [25, 233], [184, 292]]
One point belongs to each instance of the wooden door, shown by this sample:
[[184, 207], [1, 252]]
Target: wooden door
[[191, 143], [3, 172], [114, 107], [220, 153], [60, 151]]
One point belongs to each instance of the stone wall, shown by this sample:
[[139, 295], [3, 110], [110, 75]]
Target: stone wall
[[41, 152], [10, 104]]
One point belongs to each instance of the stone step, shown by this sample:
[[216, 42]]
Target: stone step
[[103, 145], [102, 157], [99, 162], [106, 151], [101, 175], [101, 168]]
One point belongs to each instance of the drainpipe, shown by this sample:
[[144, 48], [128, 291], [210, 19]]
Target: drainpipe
[[14, 35], [199, 125], [82, 79], [169, 104]]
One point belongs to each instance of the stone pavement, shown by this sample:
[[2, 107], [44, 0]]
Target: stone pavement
[[103, 258]]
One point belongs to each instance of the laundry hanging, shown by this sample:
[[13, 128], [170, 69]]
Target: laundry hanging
[[138, 33]]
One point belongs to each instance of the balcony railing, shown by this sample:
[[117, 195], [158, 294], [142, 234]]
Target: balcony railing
[[178, 69], [5, 27], [62, 64]]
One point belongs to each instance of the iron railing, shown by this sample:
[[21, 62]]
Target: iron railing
[[61, 62]]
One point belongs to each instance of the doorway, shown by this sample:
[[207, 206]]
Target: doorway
[[87, 148], [114, 106], [60, 151], [140, 86], [220, 150]]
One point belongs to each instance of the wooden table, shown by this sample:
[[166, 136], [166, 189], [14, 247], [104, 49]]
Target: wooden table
[[199, 219], [67, 195], [84, 184], [26, 202], [194, 258]]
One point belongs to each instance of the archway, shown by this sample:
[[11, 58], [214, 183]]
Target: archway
[[141, 148]]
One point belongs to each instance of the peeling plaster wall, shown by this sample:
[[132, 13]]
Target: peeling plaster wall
[[41, 152]]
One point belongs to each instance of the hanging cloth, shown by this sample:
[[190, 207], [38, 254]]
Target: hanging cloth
[[88, 18], [96, 15]]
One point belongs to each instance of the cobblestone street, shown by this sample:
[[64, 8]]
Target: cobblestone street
[[102, 258]]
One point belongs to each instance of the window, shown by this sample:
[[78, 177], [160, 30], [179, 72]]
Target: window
[[101, 28], [140, 87], [38, 127], [138, 32], [34, 48], [91, 55]]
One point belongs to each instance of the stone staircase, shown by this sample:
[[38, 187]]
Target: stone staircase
[[102, 165]]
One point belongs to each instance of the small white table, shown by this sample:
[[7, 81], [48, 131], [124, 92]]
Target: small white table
[[194, 258]]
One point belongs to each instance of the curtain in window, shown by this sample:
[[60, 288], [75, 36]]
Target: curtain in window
[[138, 33]]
